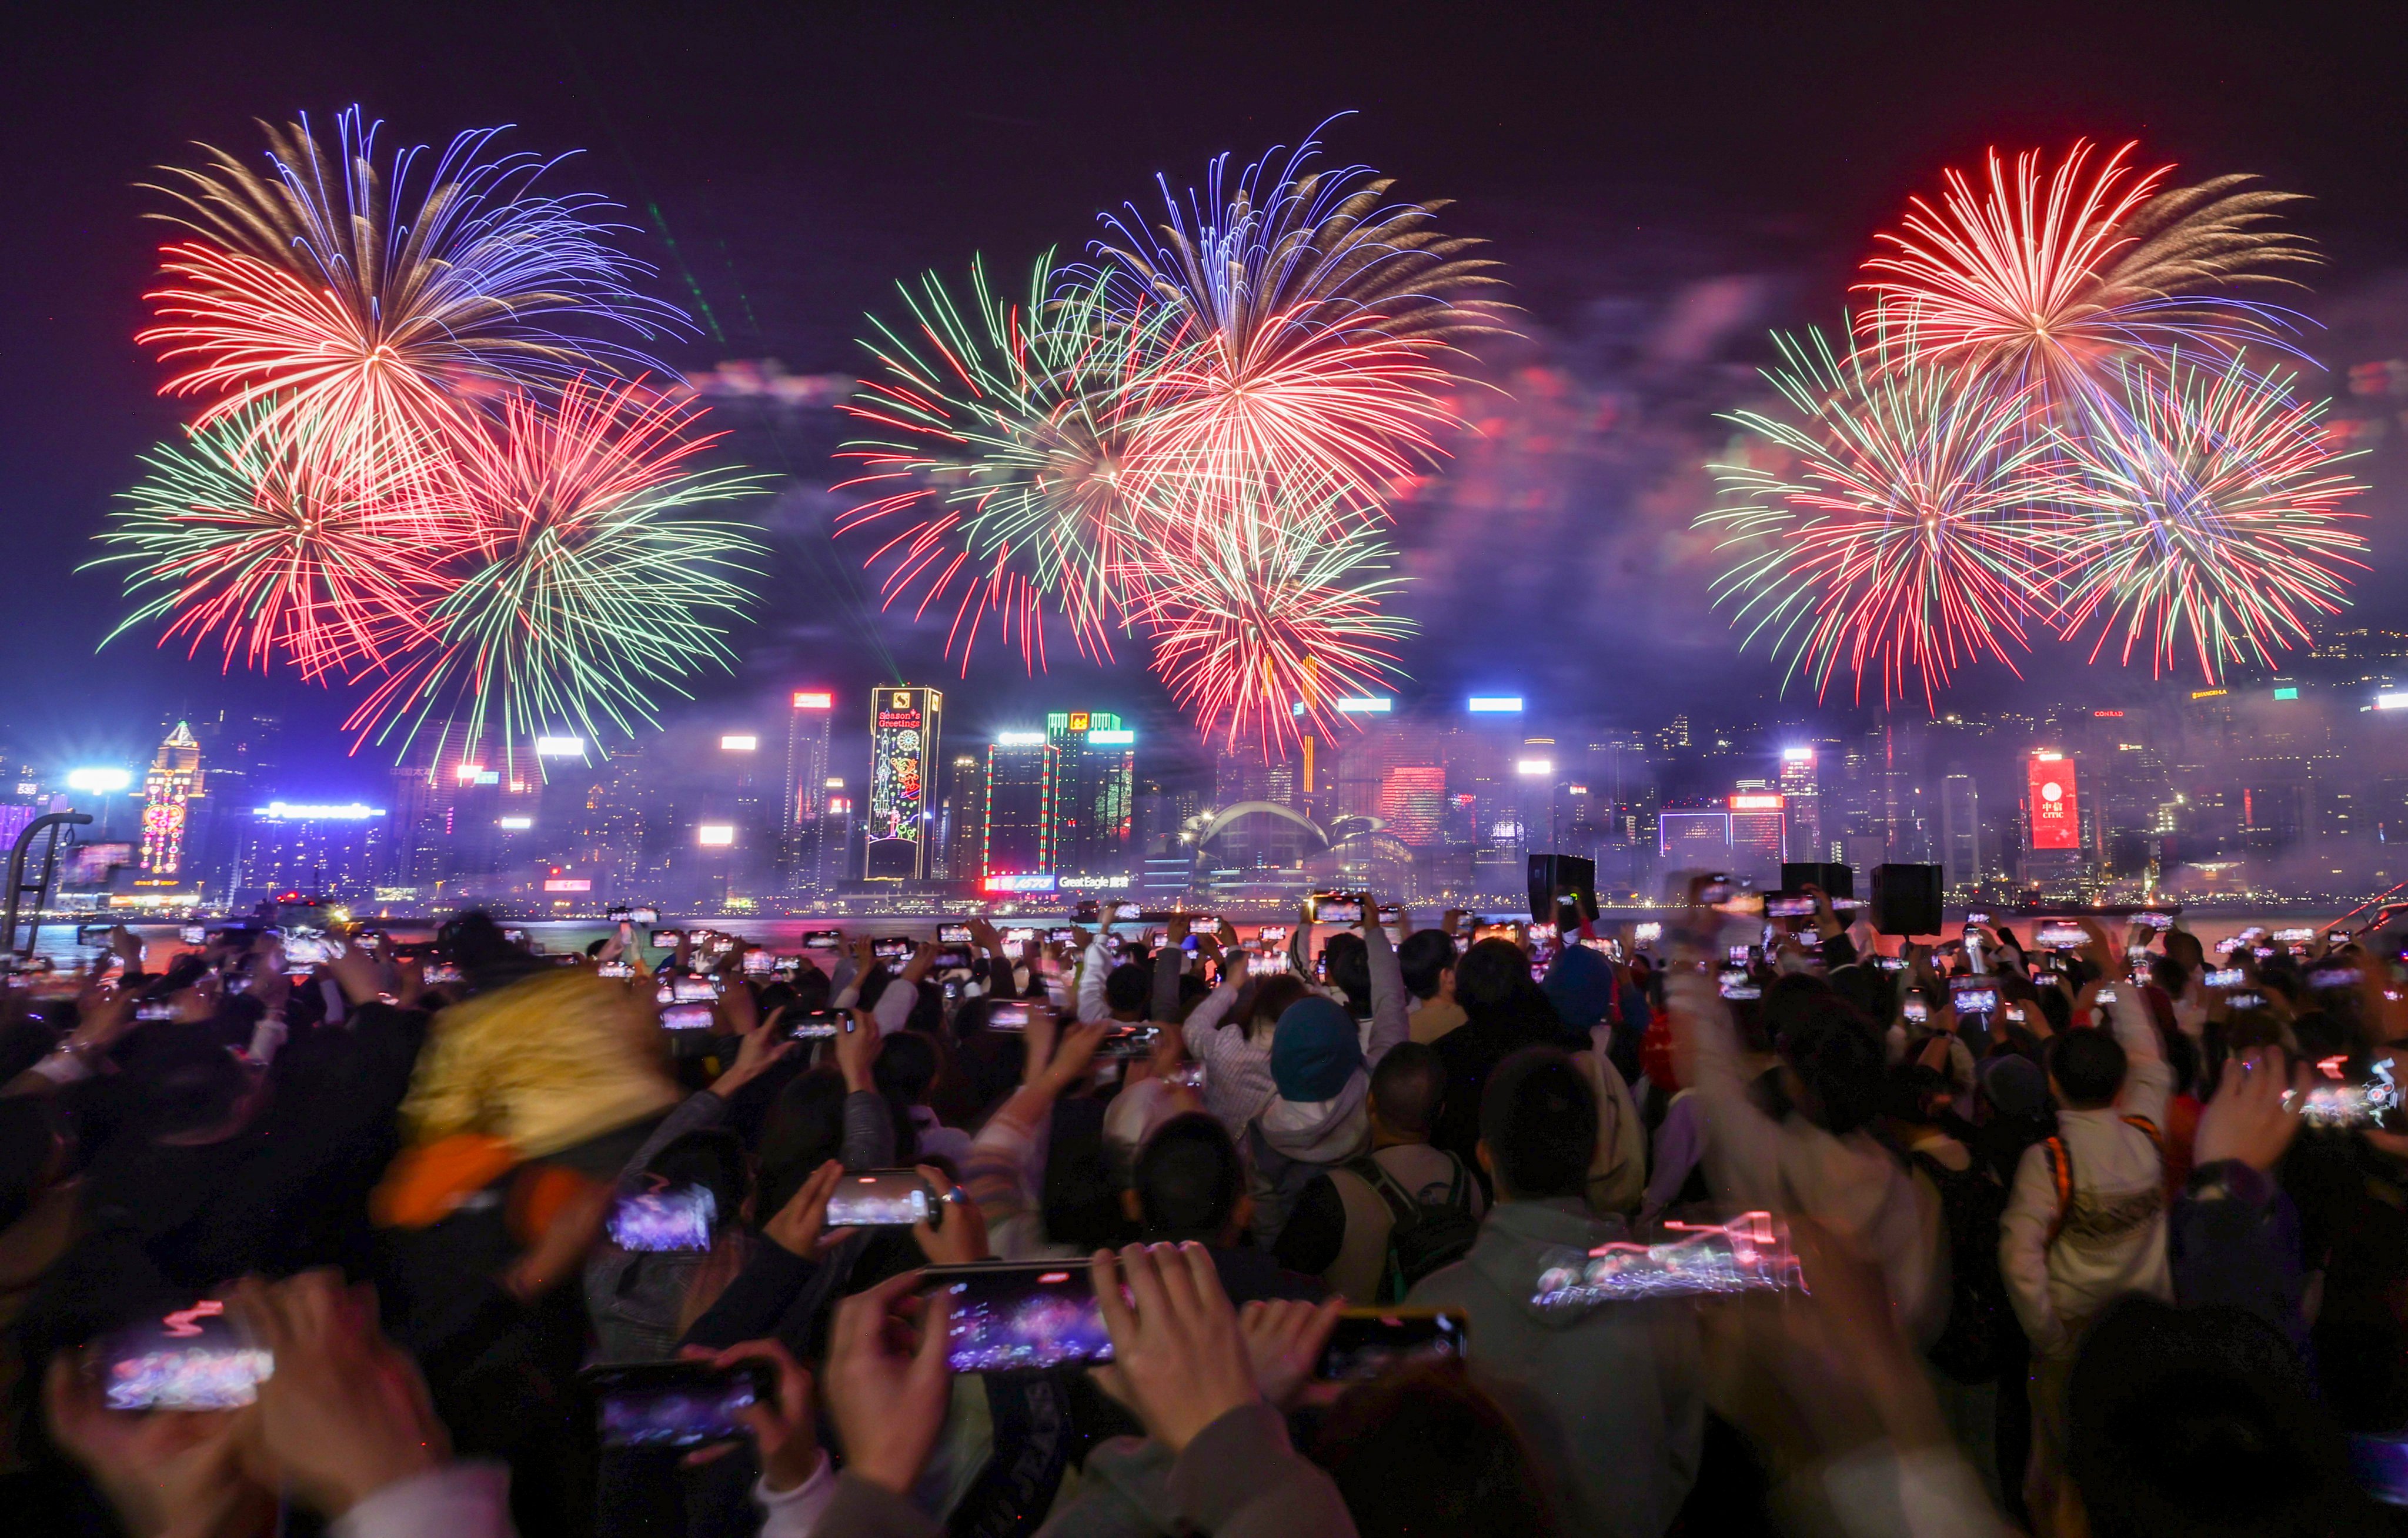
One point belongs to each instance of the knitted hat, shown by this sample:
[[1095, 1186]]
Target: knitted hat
[[2016, 1085], [1314, 1050]]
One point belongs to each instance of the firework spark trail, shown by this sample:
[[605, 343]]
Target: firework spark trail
[[596, 576], [2214, 518], [2050, 280], [359, 305], [1903, 527], [231, 538]]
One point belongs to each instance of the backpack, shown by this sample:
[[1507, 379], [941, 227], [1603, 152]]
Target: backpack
[[1974, 1347], [2060, 1169], [1421, 1235]]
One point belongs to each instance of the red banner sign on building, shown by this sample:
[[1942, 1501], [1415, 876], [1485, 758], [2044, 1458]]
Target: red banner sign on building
[[2055, 824]]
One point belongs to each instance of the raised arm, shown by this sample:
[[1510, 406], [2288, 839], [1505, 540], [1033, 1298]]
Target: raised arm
[[1389, 1022]]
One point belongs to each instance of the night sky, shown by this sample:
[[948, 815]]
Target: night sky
[[1663, 184]]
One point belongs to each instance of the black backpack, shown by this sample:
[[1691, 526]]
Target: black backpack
[[1421, 1235], [1973, 1347]]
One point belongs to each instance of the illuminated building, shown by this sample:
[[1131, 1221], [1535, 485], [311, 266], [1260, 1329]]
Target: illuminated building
[[905, 726], [1757, 834], [1803, 800], [1412, 800], [172, 784], [325, 850], [805, 801], [1022, 770], [1960, 832], [1694, 839], [960, 818], [1095, 792]]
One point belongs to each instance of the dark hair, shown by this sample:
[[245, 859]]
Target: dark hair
[[2203, 1421], [1493, 975], [1347, 960], [906, 1066], [1908, 1091], [1267, 997], [1426, 958], [1423, 1449], [1538, 1119], [1188, 1179], [805, 1129], [1408, 1087], [708, 1156], [2089, 1065], [188, 1084], [1840, 1061], [1192, 990], [1128, 987], [2057, 1008]]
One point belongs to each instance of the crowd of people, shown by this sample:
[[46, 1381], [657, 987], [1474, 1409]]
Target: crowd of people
[[2078, 1233]]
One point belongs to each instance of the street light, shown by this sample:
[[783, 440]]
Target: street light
[[99, 782]]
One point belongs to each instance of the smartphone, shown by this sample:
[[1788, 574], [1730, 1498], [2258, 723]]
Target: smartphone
[[1008, 1014], [2224, 977], [1186, 1076], [819, 1024], [1737, 985], [2262, 953], [2057, 935], [687, 1018], [1749, 1253], [880, 1199], [1788, 905], [615, 968], [2244, 1001], [438, 973], [2014, 1014], [1270, 966], [1136, 1043], [677, 1403], [2105, 995], [154, 1008], [193, 1358], [1336, 907], [759, 963], [667, 939], [1973, 995], [1061, 937], [92, 934], [643, 915], [2380, 1464], [1020, 1317], [1890, 963], [1977, 919], [687, 988], [952, 934], [956, 958], [2294, 936], [193, 934], [1271, 934], [1124, 912], [2333, 977], [892, 949], [2157, 921], [1916, 1010], [516, 937], [309, 951], [824, 940], [665, 1218], [1738, 955], [1368, 1342]]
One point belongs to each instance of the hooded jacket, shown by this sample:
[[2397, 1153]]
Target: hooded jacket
[[1610, 1396]]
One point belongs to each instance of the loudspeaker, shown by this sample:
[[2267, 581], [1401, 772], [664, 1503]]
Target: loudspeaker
[[1573, 873], [1837, 881], [1906, 899]]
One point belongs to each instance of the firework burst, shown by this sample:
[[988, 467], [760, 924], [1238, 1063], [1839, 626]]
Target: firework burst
[[1266, 630], [230, 538], [2050, 278], [2214, 527], [1007, 430], [595, 575], [360, 304], [1899, 524]]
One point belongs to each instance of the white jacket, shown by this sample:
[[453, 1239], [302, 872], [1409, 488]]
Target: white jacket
[[2114, 1238]]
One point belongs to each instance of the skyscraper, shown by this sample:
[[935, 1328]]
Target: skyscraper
[[1803, 800], [905, 726], [805, 801], [1021, 769], [1095, 792], [173, 781], [1960, 832], [960, 818]]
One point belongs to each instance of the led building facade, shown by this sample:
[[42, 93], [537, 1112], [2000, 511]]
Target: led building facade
[[1021, 769], [904, 728], [1095, 792], [168, 789]]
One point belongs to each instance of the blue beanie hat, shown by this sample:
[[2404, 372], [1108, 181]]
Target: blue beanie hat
[[1581, 986], [1314, 1050]]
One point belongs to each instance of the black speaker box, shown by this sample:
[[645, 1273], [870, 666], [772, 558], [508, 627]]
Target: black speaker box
[[1837, 881], [1906, 899]]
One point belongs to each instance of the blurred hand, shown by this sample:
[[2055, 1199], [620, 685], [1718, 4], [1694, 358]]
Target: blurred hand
[[346, 1413], [101, 1019], [785, 1433], [1227, 933], [987, 936], [123, 944], [887, 1382], [1176, 930], [558, 1253], [800, 1227], [959, 1235], [762, 1045], [1072, 1055], [2248, 1119], [923, 960], [354, 971], [1451, 921], [163, 1471], [857, 1049], [1285, 1340], [737, 1009], [1178, 1357], [412, 981]]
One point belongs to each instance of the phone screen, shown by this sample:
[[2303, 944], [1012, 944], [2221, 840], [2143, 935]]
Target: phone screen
[[677, 1403], [1010, 1015], [615, 968], [1786, 905], [1749, 1253], [759, 963], [304, 950], [2057, 936], [687, 1018], [1737, 985], [1368, 1342], [880, 1198], [891, 949], [1330, 908], [689, 989], [1020, 1317], [1124, 912], [952, 934], [824, 940], [1973, 995], [193, 1359], [1270, 934], [665, 1220], [819, 1024], [193, 934], [1916, 1009], [440, 973], [2225, 977]]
